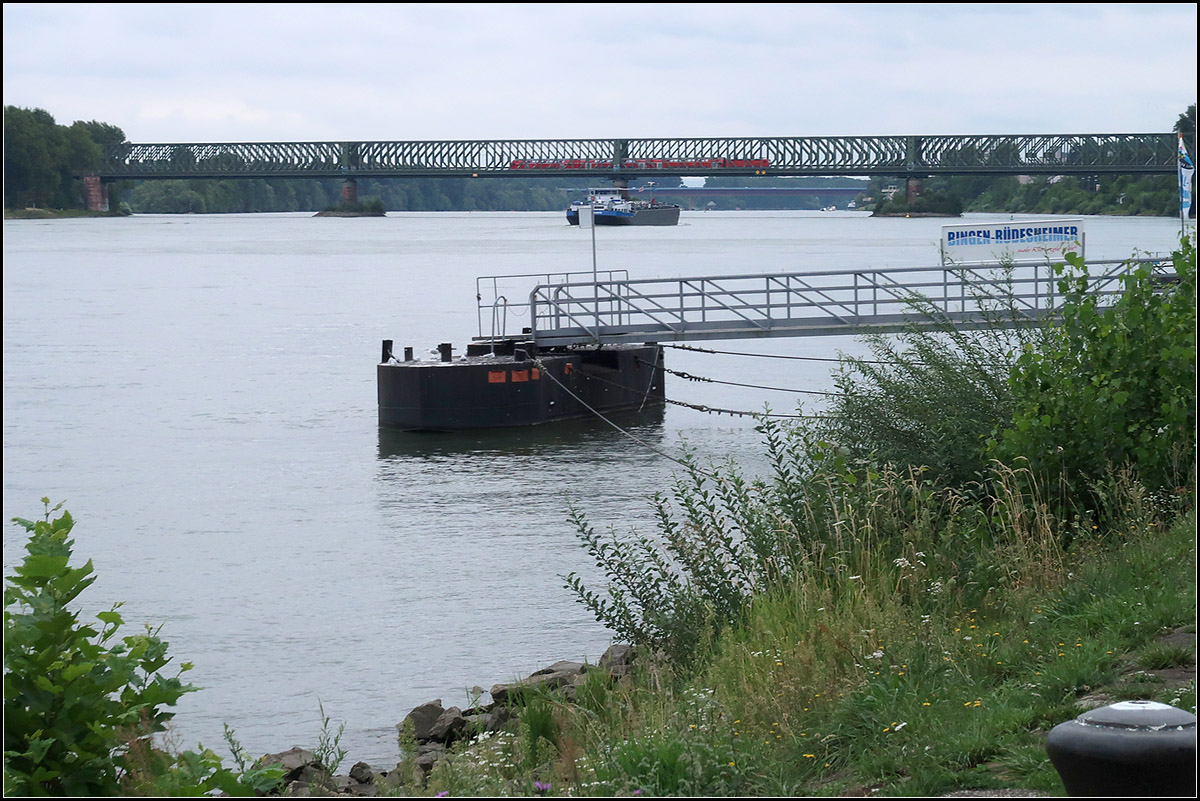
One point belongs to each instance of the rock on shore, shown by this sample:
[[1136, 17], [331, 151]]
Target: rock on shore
[[434, 728]]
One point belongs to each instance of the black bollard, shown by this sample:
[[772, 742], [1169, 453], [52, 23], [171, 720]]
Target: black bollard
[[1130, 748], [408, 354], [445, 349], [387, 351]]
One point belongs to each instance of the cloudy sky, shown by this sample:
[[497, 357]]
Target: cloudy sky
[[302, 72]]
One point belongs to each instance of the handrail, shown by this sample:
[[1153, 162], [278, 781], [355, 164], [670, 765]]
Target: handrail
[[829, 302], [493, 287]]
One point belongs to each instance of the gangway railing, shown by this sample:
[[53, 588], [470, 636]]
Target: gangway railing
[[492, 293], [845, 302]]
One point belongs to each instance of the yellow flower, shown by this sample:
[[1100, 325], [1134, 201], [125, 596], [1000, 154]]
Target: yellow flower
[[807, 756]]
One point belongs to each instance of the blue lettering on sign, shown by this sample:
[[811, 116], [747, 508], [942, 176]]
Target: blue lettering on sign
[[1014, 235], [981, 237], [1068, 233]]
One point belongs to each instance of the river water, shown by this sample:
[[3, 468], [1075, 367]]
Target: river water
[[200, 391]]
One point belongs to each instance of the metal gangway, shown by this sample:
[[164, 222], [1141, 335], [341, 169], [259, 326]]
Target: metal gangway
[[611, 308]]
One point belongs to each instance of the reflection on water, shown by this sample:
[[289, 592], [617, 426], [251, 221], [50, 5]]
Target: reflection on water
[[595, 436]]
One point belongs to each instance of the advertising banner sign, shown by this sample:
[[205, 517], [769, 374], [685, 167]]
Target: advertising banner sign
[[1025, 241]]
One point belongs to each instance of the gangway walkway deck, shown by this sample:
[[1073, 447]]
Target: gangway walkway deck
[[574, 310]]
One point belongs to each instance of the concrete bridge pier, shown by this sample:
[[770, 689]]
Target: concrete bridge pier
[[95, 192], [913, 188], [349, 190]]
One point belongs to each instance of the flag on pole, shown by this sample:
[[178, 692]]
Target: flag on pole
[[1186, 169]]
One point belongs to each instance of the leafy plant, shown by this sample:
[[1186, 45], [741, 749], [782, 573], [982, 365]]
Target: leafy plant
[[76, 701], [81, 709], [1114, 385], [153, 772]]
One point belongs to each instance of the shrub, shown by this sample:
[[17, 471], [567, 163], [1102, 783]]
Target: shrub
[[931, 395], [1112, 386]]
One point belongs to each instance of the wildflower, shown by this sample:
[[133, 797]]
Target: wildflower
[[542, 787], [442, 794], [809, 756]]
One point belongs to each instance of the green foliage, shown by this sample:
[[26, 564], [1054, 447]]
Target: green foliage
[[43, 160], [329, 751], [153, 772], [81, 708], [1113, 386], [76, 701], [930, 395], [723, 541], [930, 201], [538, 726], [669, 763], [717, 547]]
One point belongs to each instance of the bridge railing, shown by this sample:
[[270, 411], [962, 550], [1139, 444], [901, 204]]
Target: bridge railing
[[802, 304]]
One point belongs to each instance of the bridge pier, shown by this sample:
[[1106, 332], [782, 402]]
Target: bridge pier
[[349, 190], [95, 192], [912, 189]]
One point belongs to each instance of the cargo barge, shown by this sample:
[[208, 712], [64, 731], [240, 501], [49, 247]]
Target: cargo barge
[[509, 383], [614, 207]]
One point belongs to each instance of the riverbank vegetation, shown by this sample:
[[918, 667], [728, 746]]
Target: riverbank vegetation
[[984, 533]]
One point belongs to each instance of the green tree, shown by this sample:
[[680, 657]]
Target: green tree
[[1186, 125], [32, 157], [43, 161]]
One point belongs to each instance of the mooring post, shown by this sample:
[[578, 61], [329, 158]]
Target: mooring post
[[1130, 748], [387, 351], [445, 349]]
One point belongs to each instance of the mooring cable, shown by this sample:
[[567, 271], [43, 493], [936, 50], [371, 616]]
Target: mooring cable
[[705, 380], [769, 355], [546, 372], [711, 409]]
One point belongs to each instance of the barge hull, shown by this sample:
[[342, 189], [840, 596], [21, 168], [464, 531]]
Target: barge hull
[[509, 391], [659, 215]]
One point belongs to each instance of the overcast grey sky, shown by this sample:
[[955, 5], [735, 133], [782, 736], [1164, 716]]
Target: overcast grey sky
[[281, 71]]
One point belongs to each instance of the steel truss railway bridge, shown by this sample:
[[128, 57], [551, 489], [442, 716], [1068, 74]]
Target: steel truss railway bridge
[[619, 160]]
